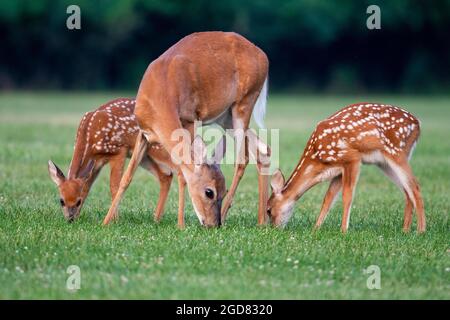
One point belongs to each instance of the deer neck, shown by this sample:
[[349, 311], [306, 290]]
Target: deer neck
[[88, 182], [81, 147], [301, 180], [75, 167]]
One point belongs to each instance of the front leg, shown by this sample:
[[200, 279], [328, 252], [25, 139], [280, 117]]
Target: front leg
[[241, 113], [164, 187], [164, 180], [138, 153], [328, 200], [240, 125], [349, 180], [239, 170]]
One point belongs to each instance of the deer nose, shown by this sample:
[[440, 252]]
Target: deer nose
[[71, 215], [219, 221], [219, 213]]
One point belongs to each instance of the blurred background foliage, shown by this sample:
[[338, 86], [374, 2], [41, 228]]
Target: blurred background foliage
[[313, 45]]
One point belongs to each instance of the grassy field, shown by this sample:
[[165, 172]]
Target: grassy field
[[137, 258]]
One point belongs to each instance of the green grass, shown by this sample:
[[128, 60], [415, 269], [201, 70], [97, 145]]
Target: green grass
[[137, 258]]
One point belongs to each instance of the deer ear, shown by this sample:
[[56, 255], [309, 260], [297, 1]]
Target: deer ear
[[277, 182], [87, 171], [199, 149], [219, 151], [55, 173]]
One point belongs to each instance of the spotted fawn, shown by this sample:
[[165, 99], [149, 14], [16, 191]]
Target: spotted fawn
[[368, 133]]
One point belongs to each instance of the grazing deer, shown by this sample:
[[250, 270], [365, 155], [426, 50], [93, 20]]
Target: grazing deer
[[107, 135], [213, 77], [367, 133]]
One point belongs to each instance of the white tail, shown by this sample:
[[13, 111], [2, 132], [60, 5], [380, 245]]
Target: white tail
[[259, 110]]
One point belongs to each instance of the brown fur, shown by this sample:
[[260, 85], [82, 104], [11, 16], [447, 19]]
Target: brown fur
[[207, 76], [107, 135], [370, 133]]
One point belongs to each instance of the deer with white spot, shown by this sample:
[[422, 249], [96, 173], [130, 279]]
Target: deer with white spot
[[108, 135], [367, 133], [213, 77]]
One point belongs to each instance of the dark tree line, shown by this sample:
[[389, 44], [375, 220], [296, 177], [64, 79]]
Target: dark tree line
[[313, 46]]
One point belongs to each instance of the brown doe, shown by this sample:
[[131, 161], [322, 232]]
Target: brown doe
[[108, 135], [213, 77], [367, 133]]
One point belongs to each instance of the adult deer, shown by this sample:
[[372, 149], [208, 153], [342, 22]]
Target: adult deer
[[107, 135], [213, 77], [378, 134]]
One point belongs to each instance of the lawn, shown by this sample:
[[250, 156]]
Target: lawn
[[137, 258]]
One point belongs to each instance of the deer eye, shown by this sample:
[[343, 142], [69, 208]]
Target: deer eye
[[61, 201], [209, 193], [78, 203], [269, 212]]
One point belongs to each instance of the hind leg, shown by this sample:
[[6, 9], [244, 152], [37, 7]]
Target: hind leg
[[420, 210], [418, 200], [407, 217], [261, 153], [409, 183], [393, 175], [241, 114]]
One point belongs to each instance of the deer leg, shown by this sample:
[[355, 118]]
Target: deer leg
[[421, 223], [328, 201], [181, 200], [349, 180], [420, 211], [116, 164], [239, 170], [165, 180], [407, 216], [396, 179], [412, 188], [261, 152], [164, 187], [138, 153], [241, 114], [263, 189]]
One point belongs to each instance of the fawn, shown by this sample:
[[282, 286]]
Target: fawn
[[367, 133], [213, 77], [108, 135]]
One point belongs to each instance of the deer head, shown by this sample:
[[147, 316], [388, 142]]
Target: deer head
[[278, 209], [206, 185], [72, 191]]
